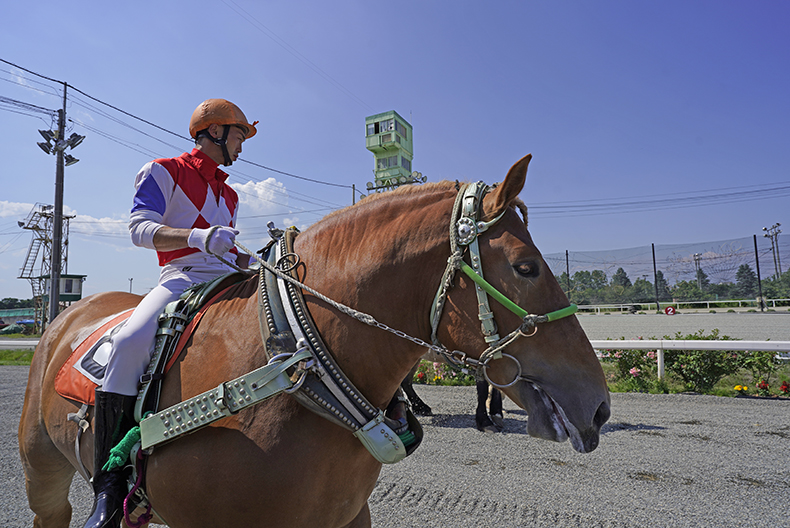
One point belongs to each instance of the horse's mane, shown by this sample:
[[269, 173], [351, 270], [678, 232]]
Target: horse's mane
[[407, 190], [403, 190]]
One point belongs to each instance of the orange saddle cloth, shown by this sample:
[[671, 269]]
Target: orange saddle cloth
[[79, 376]]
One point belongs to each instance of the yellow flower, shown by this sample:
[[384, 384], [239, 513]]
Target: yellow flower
[[738, 388]]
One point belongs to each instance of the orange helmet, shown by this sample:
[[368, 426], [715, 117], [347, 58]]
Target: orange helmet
[[219, 112]]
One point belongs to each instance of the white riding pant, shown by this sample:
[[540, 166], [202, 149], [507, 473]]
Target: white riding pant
[[133, 344]]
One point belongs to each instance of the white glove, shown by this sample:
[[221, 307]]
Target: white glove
[[216, 240]]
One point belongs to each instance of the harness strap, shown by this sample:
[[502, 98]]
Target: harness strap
[[226, 399], [83, 424], [472, 201]]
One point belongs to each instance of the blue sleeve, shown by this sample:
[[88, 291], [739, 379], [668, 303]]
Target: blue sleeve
[[149, 197]]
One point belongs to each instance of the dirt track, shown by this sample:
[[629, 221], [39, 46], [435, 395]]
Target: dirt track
[[664, 460]]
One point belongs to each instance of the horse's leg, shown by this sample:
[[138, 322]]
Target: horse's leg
[[417, 405], [495, 408], [482, 419], [362, 520], [48, 474]]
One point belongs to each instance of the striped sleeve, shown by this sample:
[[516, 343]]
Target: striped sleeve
[[153, 190]]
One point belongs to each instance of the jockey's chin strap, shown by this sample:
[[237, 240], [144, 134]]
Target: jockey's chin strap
[[465, 227]]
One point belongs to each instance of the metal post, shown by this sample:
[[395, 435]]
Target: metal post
[[568, 272], [697, 256], [773, 234], [57, 224], [655, 277], [759, 282]]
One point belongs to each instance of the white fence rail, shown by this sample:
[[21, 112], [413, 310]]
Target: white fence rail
[[692, 305], [659, 345]]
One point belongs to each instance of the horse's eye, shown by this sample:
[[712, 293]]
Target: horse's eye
[[526, 269]]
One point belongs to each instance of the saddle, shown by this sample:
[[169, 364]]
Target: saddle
[[84, 370]]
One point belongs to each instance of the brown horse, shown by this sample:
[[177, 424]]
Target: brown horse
[[279, 464]]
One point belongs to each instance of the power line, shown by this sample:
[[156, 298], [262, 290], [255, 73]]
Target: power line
[[294, 175], [290, 49], [166, 130], [661, 202]]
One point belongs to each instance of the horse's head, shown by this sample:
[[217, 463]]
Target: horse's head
[[553, 373]]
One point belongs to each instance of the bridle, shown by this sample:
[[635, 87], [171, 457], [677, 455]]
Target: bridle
[[465, 227]]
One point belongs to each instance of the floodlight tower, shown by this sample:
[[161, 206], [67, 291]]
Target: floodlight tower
[[37, 270], [389, 137], [58, 148]]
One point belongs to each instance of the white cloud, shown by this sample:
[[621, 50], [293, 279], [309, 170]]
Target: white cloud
[[14, 209], [101, 227], [260, 198]]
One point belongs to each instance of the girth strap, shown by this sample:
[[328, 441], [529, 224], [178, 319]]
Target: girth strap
[[226, 399]]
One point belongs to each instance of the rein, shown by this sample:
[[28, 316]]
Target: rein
[[464, 231]]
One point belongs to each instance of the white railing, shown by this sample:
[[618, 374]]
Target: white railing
[[659, 345], [651, 306]]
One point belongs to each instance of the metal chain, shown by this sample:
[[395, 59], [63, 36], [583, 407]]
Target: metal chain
[[360, 316]]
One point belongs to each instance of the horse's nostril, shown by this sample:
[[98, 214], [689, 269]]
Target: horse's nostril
[[602, 414]]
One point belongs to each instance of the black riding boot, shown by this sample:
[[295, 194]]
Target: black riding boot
[[114, 417]]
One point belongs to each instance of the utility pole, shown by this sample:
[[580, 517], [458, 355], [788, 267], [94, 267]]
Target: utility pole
[[655, 277], [759, 282], [61, 143], [568, 273], [697, 256], [57, 224], [773, 234]]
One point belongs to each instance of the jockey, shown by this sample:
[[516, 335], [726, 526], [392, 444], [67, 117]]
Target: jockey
[[183, 209]]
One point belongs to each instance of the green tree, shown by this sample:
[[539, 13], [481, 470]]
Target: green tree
[[620, 278], [702, 280], [10, 303], [723, 290], [642, 291], [581, 281], [663, 288], [687, 291], [745, 282], [777, 289], [598, 279]]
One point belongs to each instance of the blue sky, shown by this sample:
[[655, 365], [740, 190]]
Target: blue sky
[[619, 102]]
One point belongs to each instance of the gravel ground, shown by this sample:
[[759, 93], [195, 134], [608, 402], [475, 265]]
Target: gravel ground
[[664, 460]]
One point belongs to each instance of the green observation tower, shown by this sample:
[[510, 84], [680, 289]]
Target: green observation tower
[[389, 137]]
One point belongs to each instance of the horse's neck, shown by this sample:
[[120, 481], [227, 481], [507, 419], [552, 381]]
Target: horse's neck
[[385, 265]]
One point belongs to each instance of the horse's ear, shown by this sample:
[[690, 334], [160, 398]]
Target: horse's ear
[[500, 198]]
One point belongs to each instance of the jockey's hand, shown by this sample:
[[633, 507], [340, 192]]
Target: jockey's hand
[[216, 240]]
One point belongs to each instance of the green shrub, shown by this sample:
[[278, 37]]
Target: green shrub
[[441, 374], [700, 370], [762, 365]]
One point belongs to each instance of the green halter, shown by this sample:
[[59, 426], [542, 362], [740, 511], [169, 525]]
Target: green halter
[[464, 231]]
